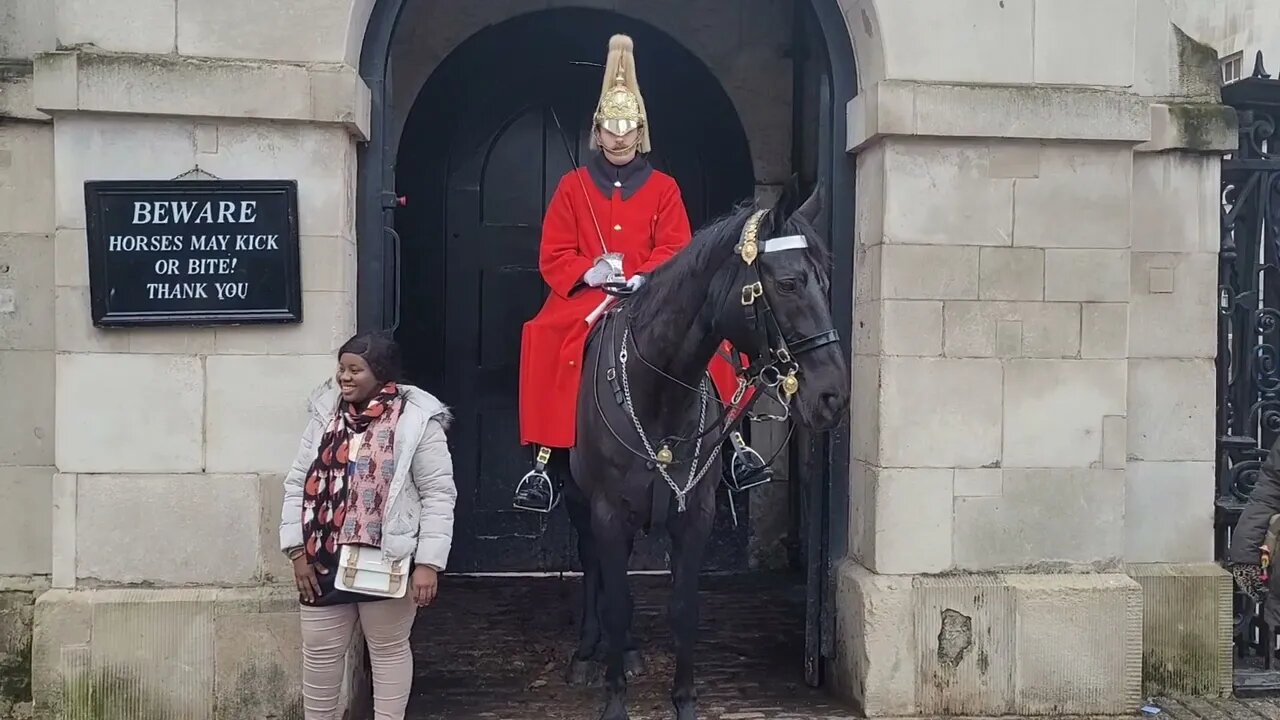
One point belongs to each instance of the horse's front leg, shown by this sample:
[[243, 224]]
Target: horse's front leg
[[689, 534], [612, 550], [589, 635]]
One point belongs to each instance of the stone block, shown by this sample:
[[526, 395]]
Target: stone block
[[1171, 410], [1047, 330], [862, 512], [1186, 629], [16, 614], [868, 227], [874, 644], [17, 98], [913, 520], [1054, 410], [962, 425], [321, 158], [864, 404], [171, 340], [1174, 305], [120, 518], [1081, 199], [96, 147], [1015, 159], [28, 491], [74, 331], [965, 632], [1104, 330], [979, 482], [960, 51], [129, 413], [867, 331], [1079, 644], [328, 263], [1010, 273], [148, 27], [26, 178], [26, 292], [1086, 275], [257, 408], [940, 192], [1086, 42], [1011, 112], [27, 383], [987, 645], [63, 530], [911, 327], [193, 653], [243, 29], [929, 272], [1169, 512], [71, 257], [1043, 518], [26, 28], [1175, 203], [328, 321]]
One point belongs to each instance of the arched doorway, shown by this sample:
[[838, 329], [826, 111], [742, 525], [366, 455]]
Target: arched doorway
[[823, 83], [477, 172]]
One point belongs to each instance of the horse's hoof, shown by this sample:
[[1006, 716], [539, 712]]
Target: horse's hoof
[[633, 664], [581, 673], [614, 710]]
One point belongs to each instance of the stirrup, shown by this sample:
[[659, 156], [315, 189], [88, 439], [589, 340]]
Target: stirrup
[[747, 469], [535, 480]]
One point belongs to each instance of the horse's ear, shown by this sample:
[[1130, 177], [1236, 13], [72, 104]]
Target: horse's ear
[[812, 208]]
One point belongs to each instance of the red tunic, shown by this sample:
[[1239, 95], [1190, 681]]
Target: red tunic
[[647, 228]]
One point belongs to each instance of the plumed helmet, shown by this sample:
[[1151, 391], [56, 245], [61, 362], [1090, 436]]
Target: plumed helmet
[[621, 107]]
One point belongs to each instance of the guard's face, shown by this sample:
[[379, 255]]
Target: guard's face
[[355, 379], [619, 149]]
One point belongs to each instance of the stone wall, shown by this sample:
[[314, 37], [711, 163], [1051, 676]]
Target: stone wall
[[1243, 26], [1032, 410]]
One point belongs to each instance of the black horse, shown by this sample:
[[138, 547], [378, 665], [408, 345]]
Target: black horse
[[650, 426]]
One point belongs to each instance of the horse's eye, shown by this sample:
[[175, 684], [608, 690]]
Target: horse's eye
[[787, 285]]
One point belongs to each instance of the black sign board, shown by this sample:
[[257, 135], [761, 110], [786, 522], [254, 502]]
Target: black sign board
[[193, 252]]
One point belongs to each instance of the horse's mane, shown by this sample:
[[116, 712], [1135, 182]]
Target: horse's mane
[[682, 281]]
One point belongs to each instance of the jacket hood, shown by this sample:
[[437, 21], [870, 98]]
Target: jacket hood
[[324, 402]]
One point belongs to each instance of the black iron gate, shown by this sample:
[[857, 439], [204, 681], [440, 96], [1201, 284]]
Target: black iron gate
[[1249, 343]]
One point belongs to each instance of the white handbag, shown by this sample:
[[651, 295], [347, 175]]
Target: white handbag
[[362, 570]]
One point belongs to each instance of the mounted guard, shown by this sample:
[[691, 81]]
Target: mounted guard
[[608, 225]]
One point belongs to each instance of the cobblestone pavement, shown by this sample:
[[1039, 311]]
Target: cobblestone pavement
[[496, 649]]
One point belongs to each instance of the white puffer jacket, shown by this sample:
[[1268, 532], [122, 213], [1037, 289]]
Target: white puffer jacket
[[418, 517]]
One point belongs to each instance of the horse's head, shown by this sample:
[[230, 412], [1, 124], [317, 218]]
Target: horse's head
[[780, 294]]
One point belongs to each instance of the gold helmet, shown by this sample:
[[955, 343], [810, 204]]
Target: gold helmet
[[621, 107]]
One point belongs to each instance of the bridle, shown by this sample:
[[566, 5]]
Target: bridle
[[773, 368]]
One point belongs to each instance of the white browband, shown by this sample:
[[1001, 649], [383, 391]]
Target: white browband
[[787, 242]]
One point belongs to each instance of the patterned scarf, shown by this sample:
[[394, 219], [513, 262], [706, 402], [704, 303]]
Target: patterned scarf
[[343, 497]]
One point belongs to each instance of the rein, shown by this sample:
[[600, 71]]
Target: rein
[[772, 369]]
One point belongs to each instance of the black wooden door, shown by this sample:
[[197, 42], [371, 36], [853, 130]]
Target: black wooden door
[[496, 197]]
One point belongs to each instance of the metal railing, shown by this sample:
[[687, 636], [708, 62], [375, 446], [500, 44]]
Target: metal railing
[[1248, 364]]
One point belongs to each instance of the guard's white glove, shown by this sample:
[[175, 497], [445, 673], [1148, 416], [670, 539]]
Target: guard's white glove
[[635, 282], [599, 273]]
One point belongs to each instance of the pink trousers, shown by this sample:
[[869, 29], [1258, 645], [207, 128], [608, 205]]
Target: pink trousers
[[326, 634]]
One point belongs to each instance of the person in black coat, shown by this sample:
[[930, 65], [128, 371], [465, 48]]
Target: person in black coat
[[1245, 558]]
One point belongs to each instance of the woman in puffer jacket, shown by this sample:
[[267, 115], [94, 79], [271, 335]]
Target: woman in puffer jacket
[[373, 471], [1245, 558]]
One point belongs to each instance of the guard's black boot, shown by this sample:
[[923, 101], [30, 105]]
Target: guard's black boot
[[745, 469], [538, 491]]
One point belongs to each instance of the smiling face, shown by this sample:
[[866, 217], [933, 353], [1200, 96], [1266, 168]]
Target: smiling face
[[355, 379]]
